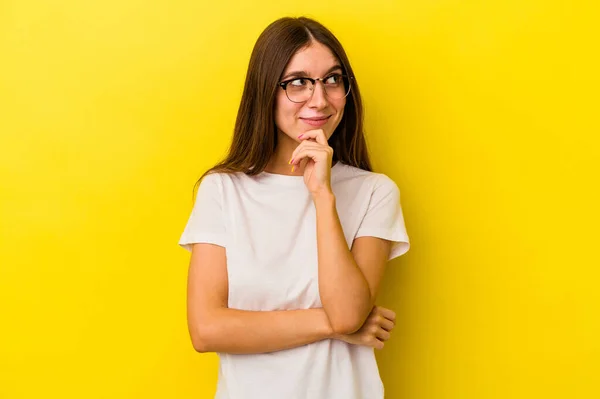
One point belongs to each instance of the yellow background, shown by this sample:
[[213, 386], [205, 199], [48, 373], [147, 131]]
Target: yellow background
[[484, 113]]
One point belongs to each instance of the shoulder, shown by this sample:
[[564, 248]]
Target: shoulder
[[364, 179], [223, 178], [224, 183], [212, 180], [211, 185]]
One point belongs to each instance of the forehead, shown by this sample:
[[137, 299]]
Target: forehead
[[314, 59]]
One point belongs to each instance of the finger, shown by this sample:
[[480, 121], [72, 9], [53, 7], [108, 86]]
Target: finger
[[304, 149], [378, 344], [301, 163], [317, 155], [317, 134], [386, 324], [302, 146], [383, 334], [387, 313], [303, 137]]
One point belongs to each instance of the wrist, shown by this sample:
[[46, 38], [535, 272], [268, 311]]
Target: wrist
[[323, 197]]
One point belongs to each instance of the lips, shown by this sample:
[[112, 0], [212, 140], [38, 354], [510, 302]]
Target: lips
[[316, 118], [316, 121]]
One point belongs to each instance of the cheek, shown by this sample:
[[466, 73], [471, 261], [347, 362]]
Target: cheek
[[286, 113], [284, 109], [340, 107]]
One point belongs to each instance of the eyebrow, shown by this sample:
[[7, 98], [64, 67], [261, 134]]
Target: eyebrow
[[304, 73]]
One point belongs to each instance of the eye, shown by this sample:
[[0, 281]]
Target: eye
[[297, 82], [333, 79]]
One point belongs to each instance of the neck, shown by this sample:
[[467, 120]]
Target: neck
[[278, 163]]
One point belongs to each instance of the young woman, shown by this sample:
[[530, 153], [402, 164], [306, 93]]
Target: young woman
[[291, 232]]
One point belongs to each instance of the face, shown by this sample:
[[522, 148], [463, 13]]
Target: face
[[319, 111]]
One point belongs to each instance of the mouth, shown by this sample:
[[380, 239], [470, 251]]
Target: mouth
[[316, 121]]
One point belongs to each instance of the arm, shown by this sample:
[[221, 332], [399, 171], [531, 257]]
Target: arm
[[215, 328], [348, 279]]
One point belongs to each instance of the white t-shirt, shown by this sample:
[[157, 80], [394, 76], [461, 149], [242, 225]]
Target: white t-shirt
[[267, 223]]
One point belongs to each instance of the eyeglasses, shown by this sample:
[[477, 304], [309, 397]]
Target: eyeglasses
[[299, 90]]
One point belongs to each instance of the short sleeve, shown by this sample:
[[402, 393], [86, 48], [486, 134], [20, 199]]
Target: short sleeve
[[206, 223], [384, 218]]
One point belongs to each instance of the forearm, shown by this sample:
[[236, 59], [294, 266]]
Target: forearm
[[245, 332], [344, 291]]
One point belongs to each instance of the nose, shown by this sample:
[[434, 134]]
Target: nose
[[318, 98]]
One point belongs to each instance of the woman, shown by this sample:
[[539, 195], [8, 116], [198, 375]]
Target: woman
[[290, 234]]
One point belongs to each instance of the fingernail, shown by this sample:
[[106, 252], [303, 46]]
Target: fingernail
[[292, 161], [301, 135]]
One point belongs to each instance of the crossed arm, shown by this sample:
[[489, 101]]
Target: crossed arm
[[348, 284]]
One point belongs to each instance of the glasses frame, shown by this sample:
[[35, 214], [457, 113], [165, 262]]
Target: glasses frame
[[284, 84]]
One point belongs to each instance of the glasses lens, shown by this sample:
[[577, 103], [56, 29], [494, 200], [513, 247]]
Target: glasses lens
[[300, 90], [336, 87]]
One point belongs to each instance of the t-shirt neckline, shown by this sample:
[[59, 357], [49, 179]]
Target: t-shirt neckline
[[288, 180]]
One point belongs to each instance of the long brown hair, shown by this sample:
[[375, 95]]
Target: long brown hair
[[255, 134]]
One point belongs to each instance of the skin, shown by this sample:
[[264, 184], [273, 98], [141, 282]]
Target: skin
[[316, 60], [307, 150], [348, 278]]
